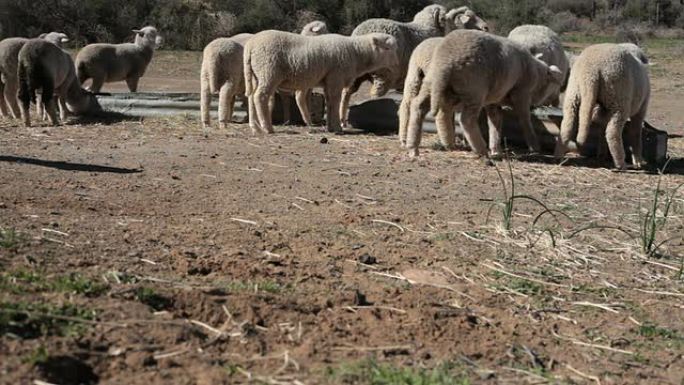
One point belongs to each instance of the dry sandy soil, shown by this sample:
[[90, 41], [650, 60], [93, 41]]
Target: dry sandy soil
[[142, 251]]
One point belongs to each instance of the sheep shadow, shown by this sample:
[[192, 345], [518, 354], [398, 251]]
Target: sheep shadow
[[67, 166], [675, 166], [103, 117]]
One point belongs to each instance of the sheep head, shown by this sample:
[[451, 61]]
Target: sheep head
[[464, 18], [315, 28], [56, 38], [636, 51], [432, 16], [148, 37]]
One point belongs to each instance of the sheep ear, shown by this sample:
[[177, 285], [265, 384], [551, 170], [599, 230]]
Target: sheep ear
[[556, 74], [381, 42], [464, 18], [316, 28], [539, 56], [42, 35]]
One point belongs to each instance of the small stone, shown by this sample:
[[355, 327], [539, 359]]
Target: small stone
[[324, 140], [368, 259]]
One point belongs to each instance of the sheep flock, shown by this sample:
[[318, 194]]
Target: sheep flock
[[444, 61]]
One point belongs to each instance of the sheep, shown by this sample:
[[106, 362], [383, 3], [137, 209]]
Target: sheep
[[9, 83], [614, 77], [275, 59], [471, 70], [117, 62], [417, 70], [43, 65], [546, 45], [222, 72], [432, 21]]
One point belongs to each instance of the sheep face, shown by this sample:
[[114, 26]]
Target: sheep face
[[148, 37], [84, 103], [550, 81], [464, 18], [386, 55]]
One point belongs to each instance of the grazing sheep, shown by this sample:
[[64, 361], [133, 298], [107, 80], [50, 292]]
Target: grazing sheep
[[275, 59], [43, 65], [117, 62], [614, 77], [471, 70], [546, 45], [432, 21], [222, 72], [9, 83]]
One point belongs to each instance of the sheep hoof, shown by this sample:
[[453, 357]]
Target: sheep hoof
[[496, 155], [413, 153]]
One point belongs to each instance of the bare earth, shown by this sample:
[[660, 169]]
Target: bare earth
[[146, 252]]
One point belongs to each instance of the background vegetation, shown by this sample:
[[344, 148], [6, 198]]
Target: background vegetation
[[190, 24]]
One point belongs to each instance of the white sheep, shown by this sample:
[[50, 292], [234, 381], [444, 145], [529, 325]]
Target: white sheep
[[546, 45], [105, 63], [42, 65], [432, 21], [472, 70], [9, 83], [222, 72], [275, 59], [614, 77]]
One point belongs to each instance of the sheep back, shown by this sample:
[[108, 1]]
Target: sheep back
[[118, 61]]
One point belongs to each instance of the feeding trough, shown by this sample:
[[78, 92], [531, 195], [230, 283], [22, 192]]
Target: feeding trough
[[380, 116], [154, 104]]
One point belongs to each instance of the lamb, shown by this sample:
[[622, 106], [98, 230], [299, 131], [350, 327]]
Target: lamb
[[222, 72], [432, 21], [546, 45], [275, 59], [43, 65], [9, 83], [614, 77], [116, 62], [471, 70]]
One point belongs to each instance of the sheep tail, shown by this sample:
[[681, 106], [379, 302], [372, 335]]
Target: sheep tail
[[250, 78]]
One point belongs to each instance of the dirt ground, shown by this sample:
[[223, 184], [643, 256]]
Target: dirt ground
[[144, 251]]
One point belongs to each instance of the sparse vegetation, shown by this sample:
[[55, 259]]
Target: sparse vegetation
[[256, 286], [373, 373], [10, 239], [33, 320], [21, 281], [652, 222], [151, 298]]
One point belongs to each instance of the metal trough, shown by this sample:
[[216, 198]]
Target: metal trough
[[150, 104]]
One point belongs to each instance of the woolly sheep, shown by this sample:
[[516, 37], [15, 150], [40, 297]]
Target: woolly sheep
[[43, 65], [432, 21], [471, 70], [614, 77], [116, 62], [275, 59], [222, 72], [9, 83], [545, 44]]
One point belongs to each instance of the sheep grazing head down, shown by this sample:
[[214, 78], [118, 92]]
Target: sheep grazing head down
[[464, 18], [548, 83], [148, 37], [386, 56], [56, 38]]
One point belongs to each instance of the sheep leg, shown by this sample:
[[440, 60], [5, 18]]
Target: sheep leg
[[205, 103], [25, 111], [262, 97], [333, 96], [614, 130], [495, 120], [415, 114], [252, 115], [471, 129], [229, 111], [302, 99], [11, 88], [285, 103], [97, 83], [224, 108], [635, 128], [521, 108], [445, 125], [3, 105], [404, 118], [347, 93], [63, 109], [132, 83], [568, 129], [51, 109]]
